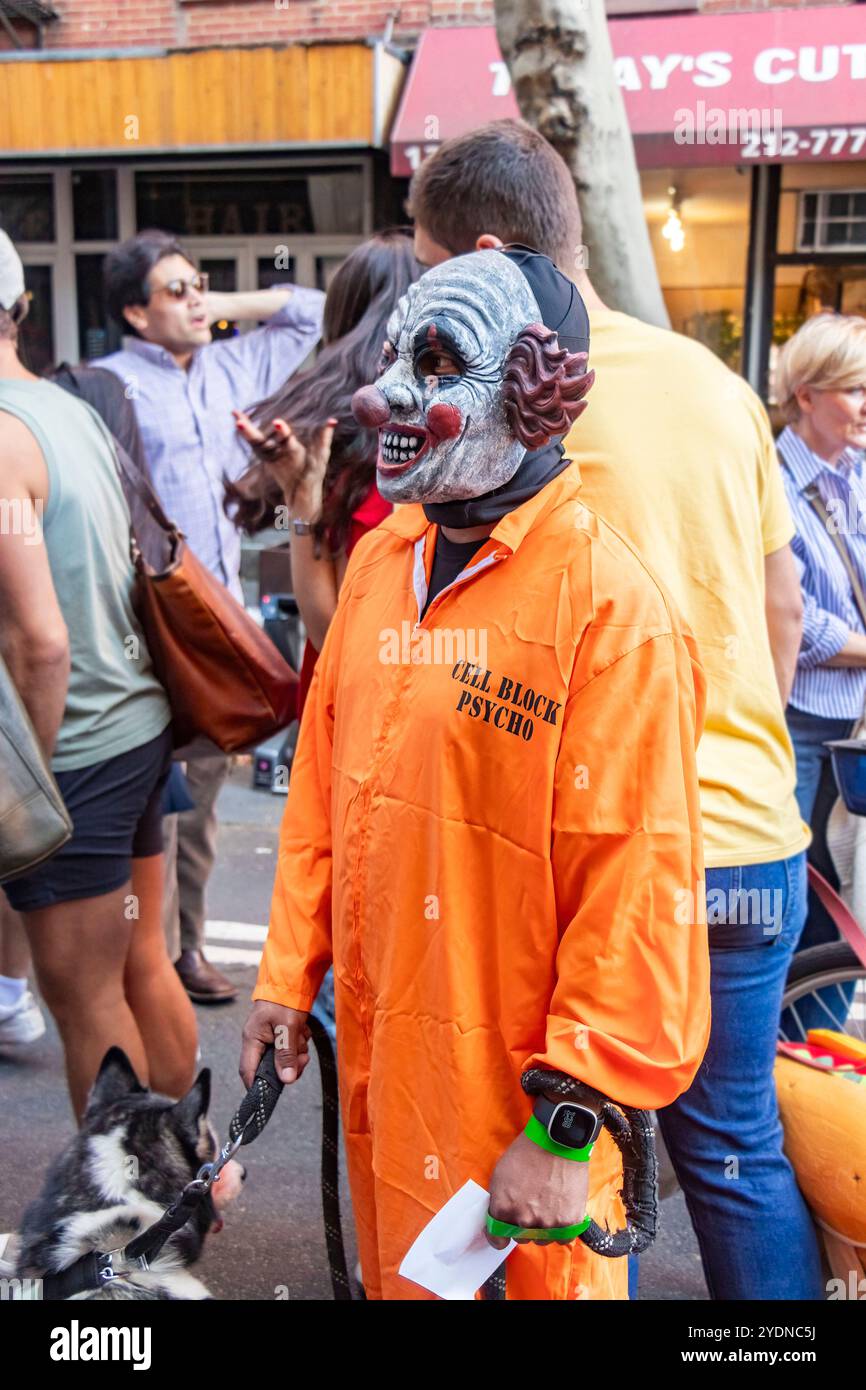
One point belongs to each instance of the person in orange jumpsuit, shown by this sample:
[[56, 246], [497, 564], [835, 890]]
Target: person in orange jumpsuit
[[493, 824]]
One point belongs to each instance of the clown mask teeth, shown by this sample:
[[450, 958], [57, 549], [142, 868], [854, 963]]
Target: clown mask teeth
[[400, 446]]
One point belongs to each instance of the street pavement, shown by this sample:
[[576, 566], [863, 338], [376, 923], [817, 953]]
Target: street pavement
[[272, 1244]]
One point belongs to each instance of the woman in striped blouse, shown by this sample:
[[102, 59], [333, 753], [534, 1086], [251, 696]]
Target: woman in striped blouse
[[821, 390]]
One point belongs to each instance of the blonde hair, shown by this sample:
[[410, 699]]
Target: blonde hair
[[828, 352]]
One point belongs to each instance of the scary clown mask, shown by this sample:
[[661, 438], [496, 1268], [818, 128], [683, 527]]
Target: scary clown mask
[[472, 379]]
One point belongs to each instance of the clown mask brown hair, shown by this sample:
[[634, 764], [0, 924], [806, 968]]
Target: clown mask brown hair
[[473, 376]]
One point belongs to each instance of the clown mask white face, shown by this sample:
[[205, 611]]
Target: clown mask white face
[[438, 407]]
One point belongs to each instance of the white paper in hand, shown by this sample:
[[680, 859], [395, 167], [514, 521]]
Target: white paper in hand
[[452, 1257]]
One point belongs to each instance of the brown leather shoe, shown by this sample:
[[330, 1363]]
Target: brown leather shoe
[[202, 981]]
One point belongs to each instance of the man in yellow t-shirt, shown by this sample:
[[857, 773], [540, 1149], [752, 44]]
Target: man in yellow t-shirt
[[688, 473], [675, 452]]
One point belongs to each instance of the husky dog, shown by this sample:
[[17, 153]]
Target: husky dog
[[132, 1157]]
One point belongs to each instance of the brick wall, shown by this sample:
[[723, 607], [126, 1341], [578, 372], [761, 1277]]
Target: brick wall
[[172, 23], [183, 23], [112, 23]]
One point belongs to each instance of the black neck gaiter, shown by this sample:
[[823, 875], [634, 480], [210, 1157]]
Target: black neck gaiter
[[537, 469]]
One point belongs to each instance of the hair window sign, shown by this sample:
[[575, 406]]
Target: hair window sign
[[699, 89]]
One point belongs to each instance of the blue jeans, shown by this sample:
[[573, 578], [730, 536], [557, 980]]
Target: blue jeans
[[808, 735], [724, 1136], [323, 1009]]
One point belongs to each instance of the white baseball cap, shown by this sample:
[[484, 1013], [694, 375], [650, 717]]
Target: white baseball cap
[[11, 273]]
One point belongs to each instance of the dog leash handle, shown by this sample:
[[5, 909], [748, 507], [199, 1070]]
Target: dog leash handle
[[259, 1103]]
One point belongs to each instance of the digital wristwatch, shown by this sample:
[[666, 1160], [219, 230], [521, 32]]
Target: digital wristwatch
[[564, 1127]]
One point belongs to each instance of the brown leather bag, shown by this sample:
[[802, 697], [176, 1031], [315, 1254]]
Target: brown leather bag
[[223, 676]]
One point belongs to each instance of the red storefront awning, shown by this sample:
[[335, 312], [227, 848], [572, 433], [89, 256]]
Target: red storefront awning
[[699, 89]]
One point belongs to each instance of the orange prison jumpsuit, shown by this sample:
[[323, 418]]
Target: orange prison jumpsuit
[[495, 846]]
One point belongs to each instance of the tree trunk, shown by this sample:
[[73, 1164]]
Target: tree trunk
[[561, 63]]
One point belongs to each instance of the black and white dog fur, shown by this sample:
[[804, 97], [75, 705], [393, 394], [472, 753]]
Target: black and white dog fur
[[132, 1157]]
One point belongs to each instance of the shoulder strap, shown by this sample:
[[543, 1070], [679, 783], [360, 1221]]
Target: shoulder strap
[[135, 485], [155, 539], [814, 497]]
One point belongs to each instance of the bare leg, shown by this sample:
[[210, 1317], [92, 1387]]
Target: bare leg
[[14, 950], [79, 953], [159, 1002]]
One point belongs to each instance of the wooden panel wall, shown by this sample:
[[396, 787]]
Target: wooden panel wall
[[217, 97]]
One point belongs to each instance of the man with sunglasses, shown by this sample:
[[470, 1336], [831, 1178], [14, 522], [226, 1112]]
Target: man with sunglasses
[[184, 386]]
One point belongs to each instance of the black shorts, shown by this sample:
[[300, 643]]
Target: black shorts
[[116, 810]]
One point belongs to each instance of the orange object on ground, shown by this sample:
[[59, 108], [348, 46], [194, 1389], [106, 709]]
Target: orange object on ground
[[825, 1138], [839, 1044], [501, 853]]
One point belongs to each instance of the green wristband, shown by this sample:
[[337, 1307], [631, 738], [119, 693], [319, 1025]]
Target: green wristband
[[506, 1229], [536, 1131]]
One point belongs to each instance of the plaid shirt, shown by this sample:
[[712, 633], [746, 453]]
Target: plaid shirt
[[189, 435]]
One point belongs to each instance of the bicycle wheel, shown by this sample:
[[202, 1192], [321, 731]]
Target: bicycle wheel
[[833, 980]]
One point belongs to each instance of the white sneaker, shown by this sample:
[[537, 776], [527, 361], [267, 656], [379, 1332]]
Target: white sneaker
[[22, 1022]]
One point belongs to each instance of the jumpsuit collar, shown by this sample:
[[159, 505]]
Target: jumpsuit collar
[[410, 523]]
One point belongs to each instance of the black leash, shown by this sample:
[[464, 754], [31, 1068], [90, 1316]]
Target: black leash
[[331, 1161], [98, 1268]]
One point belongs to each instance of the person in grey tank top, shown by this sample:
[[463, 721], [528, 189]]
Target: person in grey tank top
[[79, 659]]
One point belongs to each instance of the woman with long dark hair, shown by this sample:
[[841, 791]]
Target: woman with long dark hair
[[311, 455]]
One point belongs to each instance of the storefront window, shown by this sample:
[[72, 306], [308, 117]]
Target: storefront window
[[822, 237], [27, 206], [249, 226], [699, 225], [251, 202], [832, 221], [94, 204]]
